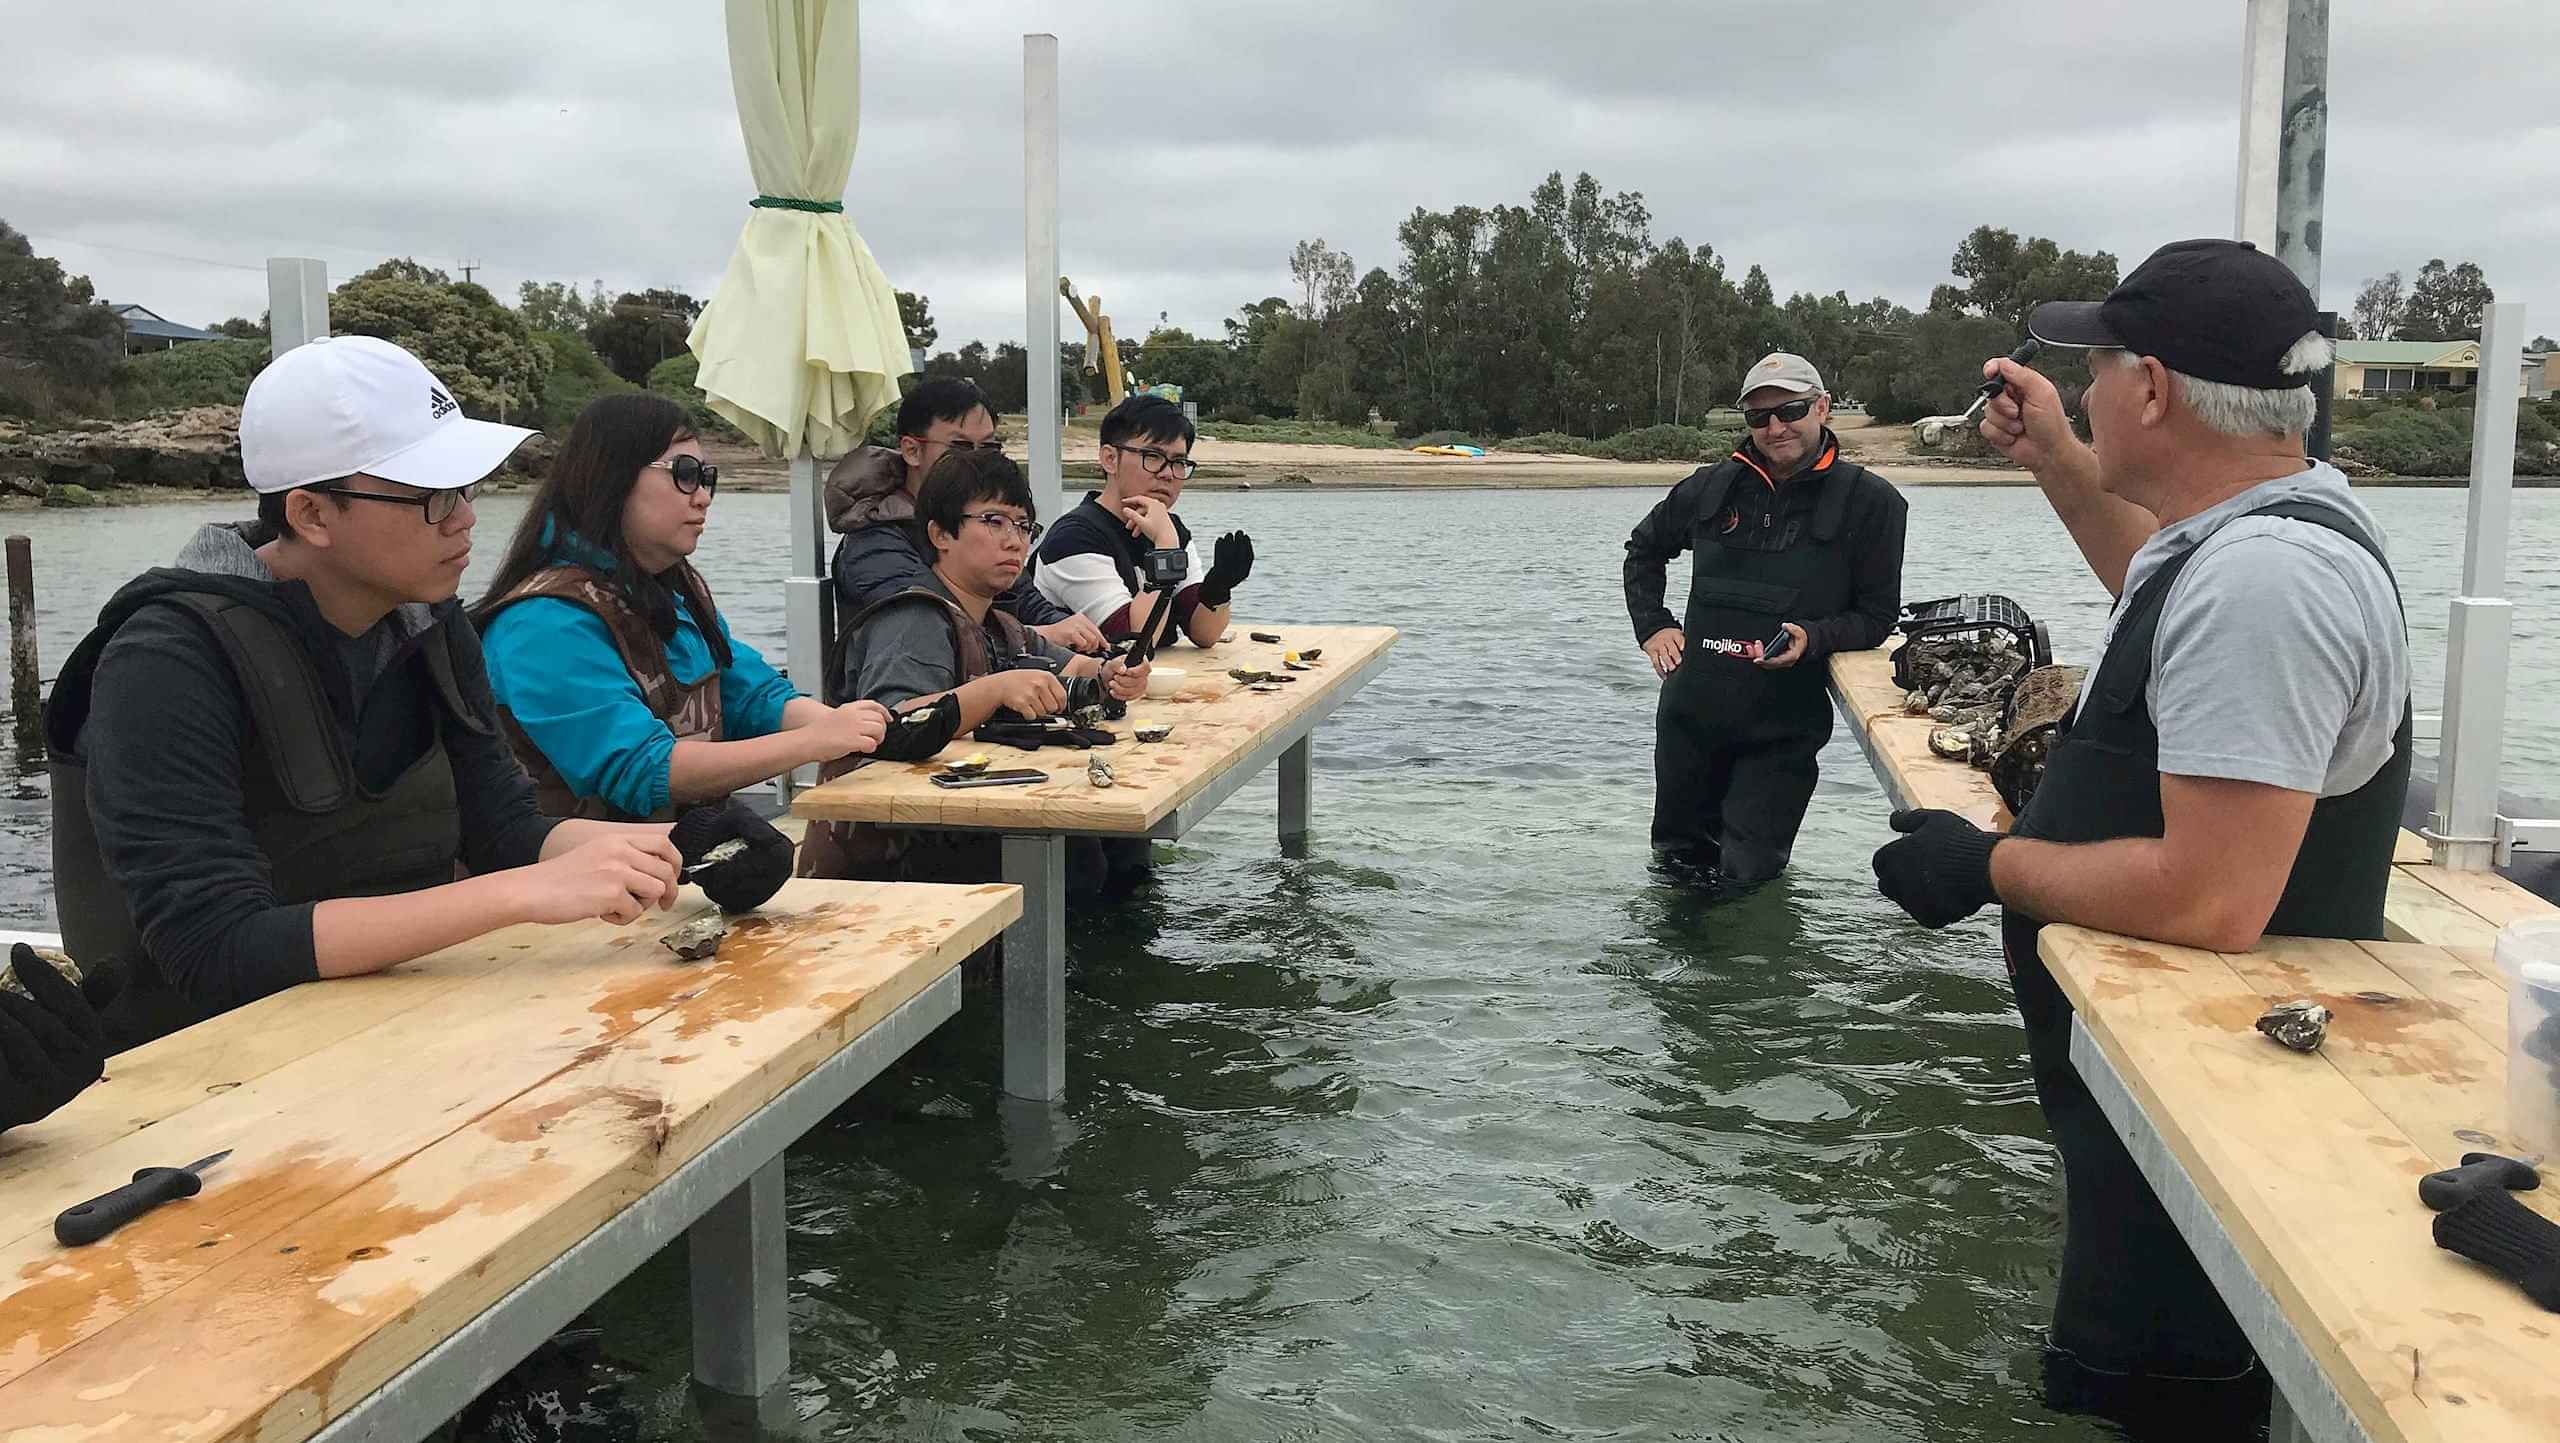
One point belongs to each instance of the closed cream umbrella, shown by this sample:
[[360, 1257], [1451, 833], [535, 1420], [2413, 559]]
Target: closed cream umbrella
[[802, 343]]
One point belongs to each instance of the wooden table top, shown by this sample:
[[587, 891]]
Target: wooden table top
[[408, 1147], [2426, 903], [1217, 723], [2311, 1161]]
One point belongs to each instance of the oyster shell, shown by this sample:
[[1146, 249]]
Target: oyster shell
[[1153, 731], [2302, 1026], [971, 765], [1098, 772], [698, 938], [1248, 675], [1271, 638], [1272, 685], [58, 961], [1952, 742]]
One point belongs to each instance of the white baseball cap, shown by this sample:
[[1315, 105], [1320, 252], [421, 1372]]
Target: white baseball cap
[[330, 408]]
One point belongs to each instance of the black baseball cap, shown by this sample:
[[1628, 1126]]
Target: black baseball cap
[[2217, 310]]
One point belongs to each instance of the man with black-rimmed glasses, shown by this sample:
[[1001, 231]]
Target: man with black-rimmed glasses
[[1094, 557], [1798, 555], [273, 759]]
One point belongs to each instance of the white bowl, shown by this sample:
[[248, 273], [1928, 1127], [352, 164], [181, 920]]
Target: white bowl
[[1165, 680]]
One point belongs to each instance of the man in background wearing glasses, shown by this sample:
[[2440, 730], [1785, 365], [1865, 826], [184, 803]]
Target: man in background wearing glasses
[[1798, 555], [945, 642], [871, 502], [1095, 555], [273, 758]]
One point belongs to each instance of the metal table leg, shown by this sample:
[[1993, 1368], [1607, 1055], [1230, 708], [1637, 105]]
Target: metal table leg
[[741, 1297], [1035, 969], [1297, 781]]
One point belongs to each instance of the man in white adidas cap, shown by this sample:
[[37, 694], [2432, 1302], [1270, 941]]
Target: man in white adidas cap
[[274, 758]]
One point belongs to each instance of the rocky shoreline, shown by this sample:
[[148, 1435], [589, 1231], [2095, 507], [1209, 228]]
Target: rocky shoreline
[[180, 455]]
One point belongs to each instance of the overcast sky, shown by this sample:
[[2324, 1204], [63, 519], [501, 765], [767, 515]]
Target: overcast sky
[[1843, 147]]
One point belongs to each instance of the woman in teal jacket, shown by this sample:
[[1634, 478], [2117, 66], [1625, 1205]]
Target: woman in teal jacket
[[620, 685]]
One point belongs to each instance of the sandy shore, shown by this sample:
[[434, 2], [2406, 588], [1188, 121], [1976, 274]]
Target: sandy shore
[[1257, 465]]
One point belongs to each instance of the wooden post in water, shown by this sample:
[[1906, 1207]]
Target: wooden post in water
[[26, 682]]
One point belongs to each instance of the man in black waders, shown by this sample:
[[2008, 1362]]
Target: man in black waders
[[2234, 768], [274, 758], [1790, 541]]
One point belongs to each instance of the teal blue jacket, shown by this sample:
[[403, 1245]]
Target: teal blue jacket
[[554, 667]]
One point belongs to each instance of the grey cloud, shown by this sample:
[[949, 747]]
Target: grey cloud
[[1847, 147]]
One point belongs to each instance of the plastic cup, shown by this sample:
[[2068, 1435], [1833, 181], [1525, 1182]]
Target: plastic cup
[[2529, 954], [1165, 680]]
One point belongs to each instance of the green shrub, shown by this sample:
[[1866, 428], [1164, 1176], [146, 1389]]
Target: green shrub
[[1667, 443], [883, 430], [676, 378], [2406, 441], [199, 373], [1234, 413], [578, 376], [1555, 443]]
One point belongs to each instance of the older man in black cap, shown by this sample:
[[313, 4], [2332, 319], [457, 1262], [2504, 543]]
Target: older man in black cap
[[2236, 763], [1791, 541]]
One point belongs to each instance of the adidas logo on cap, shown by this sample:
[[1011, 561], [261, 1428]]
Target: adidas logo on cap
[[438, 403]]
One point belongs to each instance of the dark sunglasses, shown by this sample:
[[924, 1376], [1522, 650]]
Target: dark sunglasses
[[1790, 412], [1154, 462], [437, 506], [691, 473]]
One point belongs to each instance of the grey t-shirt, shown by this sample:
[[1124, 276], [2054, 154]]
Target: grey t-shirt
[[904, 652], [2282, 657]]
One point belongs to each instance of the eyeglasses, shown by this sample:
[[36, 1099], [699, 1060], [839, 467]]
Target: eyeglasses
[[1155, 462], [964, 444], [1030, 529], [690, 473], [437, 506], [1790, 412]]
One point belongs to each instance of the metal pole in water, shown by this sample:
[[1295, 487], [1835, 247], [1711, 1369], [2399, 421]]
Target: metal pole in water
[[26, 681], [297, 302], [2464, 827], [2284, 132], [1040, 263]]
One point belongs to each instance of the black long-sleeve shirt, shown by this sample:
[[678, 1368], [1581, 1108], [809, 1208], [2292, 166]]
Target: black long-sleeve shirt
[[164, 744], [1872, 529]]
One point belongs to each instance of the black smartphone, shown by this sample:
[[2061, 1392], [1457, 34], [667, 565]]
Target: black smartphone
[[1777, 645], [1018, 777]]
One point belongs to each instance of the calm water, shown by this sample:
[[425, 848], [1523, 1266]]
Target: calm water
[[1461, 1126]]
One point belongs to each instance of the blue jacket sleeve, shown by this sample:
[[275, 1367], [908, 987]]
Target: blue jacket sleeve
[[752, 693], [553, 666]]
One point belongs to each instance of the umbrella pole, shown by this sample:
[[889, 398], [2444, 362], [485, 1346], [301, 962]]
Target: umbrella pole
[[1040, 265], [806, 616]]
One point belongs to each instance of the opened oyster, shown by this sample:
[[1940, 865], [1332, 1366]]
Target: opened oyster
[[971, 765], [698, 938], [2302, 1026], [1153, 731]]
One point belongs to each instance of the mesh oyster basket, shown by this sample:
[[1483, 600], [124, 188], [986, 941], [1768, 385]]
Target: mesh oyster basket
[[1960, 615]]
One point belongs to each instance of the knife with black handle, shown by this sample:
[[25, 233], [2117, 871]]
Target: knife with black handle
[[89, 1221]]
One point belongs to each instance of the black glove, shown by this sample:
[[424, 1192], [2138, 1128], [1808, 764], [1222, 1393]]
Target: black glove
[[916, 735], [1229, 565], [745, 881], [1940, 871], [51, 1041]]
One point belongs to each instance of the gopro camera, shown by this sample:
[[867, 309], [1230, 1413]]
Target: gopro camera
[[1165, 567]]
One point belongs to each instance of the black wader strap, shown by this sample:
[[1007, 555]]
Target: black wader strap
[[1831, 509], [439, 658], [285, 699]]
